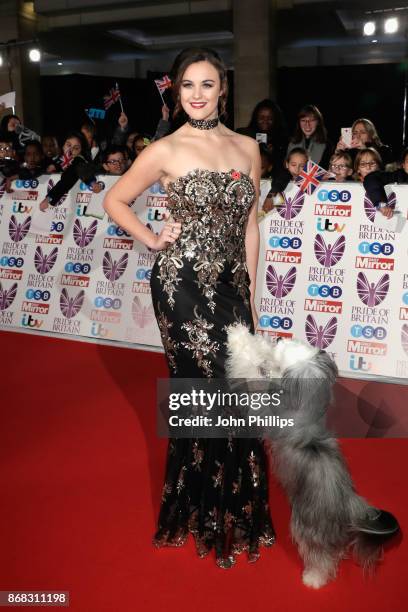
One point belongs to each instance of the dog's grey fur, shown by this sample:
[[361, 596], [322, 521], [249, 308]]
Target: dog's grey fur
[[326, 510]]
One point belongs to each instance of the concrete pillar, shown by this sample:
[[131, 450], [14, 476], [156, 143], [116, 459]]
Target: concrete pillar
[[255, 55], [18, 24]]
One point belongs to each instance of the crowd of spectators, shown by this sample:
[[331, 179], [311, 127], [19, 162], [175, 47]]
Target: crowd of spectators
[[24, 154]]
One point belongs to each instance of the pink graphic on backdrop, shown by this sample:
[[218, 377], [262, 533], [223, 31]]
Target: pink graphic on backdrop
[[142, 315], [279, 286], [44, 263], [326, 254], [70, 306], [84, 235], [7, 296], [404, 337], [370, 210], [320, 336], [372, 294], [113, 269], [18, 231], [292, 206]]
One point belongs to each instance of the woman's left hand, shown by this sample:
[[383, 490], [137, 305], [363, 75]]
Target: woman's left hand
[[268, 204]]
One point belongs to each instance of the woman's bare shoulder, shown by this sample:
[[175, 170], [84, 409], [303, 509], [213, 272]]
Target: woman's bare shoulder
[[244, 142], [247, 142]]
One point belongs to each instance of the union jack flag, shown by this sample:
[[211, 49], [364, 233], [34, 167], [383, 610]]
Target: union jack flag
[[112, 97], [163, 84], [66, 159], [310, 177]]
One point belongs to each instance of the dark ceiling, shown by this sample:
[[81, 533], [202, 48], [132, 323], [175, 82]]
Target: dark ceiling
[[85, 30]]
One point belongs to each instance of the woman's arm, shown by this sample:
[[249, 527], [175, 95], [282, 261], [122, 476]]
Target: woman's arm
[[252, 230], [147, 169]]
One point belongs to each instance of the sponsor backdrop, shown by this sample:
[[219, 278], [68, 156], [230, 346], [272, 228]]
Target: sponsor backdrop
[[331, 271], [86, 276]]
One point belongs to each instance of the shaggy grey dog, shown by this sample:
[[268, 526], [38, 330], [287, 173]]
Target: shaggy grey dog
[[328, 517]]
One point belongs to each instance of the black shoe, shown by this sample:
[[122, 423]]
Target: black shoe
[[378, 522]]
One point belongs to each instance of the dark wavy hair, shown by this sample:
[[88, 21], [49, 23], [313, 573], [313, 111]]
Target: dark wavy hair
[[5, 121], [320, 134], [279, 124], [191, 56]]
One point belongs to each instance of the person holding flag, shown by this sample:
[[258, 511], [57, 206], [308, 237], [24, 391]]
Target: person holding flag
[[112, 97], [75, 164], [162, 85]]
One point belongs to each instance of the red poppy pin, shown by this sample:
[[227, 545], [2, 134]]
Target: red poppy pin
[[235, 175]]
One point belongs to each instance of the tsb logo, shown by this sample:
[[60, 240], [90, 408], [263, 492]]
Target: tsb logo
[[57, 226], [38, 295], [27, 184], [275, 322], [115, 230], [143, 274], [369, 332], [324, 195], [324, 291], [285, 242], [12, 262], [77, 268], [376, 248], [108, 302]]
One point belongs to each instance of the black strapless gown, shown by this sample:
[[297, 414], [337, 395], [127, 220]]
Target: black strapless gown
[[215, 488]]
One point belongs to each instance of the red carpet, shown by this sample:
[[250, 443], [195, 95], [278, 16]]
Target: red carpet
[[80, 480]]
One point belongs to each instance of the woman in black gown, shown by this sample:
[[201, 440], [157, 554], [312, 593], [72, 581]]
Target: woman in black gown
[[202, 281]]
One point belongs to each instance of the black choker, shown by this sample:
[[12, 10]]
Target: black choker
[[203, 124]]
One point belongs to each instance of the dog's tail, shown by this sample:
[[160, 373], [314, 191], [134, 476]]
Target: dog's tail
[[368, 549], [326, 510]]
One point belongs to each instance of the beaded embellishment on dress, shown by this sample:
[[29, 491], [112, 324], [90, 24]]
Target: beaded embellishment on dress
[[216, 489]]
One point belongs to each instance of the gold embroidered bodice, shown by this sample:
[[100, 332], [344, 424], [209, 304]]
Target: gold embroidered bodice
[[213, 209]]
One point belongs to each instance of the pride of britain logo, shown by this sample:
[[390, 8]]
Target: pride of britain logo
[[280, 285], [7, 296], [83, 236], [372, 294], [44, 262], [112, 268], [18, 231], [320, 336], [70, 306], [329, 255], [370, 210], [291, 206], [404, 337]]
